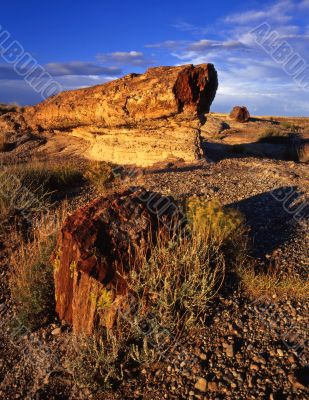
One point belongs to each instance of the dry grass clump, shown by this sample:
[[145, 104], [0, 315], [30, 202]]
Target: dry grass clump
[[290, 126], [49, 176], [6, 108], [261, 284], [303, 153], [100, 174], [26, 188], [4, 144], [223, 226], [274, 135], [31, 279], [171, 281], [94, 361]]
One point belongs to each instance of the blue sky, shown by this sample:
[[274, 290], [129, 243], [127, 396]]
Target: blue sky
[[86, 43]]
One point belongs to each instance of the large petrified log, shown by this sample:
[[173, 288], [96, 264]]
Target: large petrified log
[[160, 92], [94, 251], [137, 119]]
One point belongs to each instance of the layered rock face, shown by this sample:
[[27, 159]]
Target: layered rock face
[[138, 119], [95, 251]]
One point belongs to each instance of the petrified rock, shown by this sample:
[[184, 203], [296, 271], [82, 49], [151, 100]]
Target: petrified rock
[[94, 252], [160, 93], [214, 126], [240, 114], [138, 119]]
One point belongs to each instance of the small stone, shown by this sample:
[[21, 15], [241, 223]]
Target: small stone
[[201, 384], [295, 383], [259, 360], [56, 331], [213, 386], [280, 353], [229, 350], [254, 367]]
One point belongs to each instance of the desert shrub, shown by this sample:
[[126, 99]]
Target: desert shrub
[[30, 187], [290, 127], [94, 361], [171, 281], [273, 135], [303, 153], [211, 219], [223, 227], [174, 285], [100, 174], [31, 278], [49, 176], [4, 144], [17, 197]]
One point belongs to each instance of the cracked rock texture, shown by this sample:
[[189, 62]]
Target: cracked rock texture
[[94, 250], [137, 119]]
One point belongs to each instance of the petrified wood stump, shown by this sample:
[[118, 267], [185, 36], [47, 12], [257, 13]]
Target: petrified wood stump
[[94, 251], [240, 114]]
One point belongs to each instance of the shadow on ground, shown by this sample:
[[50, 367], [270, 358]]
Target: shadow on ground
[[272, 218], [276, 148]]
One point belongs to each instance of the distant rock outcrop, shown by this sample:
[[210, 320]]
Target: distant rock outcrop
[[240, 114], [138, 119], [94, 253]]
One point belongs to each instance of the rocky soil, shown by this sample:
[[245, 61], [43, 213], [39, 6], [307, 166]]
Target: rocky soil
[[251, 348]]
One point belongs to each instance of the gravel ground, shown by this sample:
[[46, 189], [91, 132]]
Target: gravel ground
[[249, 349]]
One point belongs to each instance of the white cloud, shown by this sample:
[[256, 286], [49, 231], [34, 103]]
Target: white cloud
[[80, 68], [135, 58], [184, 26], [279, 12], [167, 44], [247, 73], [206, 44], [76, 68]]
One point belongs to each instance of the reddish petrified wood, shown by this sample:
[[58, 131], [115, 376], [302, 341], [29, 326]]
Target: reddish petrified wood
[[240, 114], [94, 252], [196, 87]]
